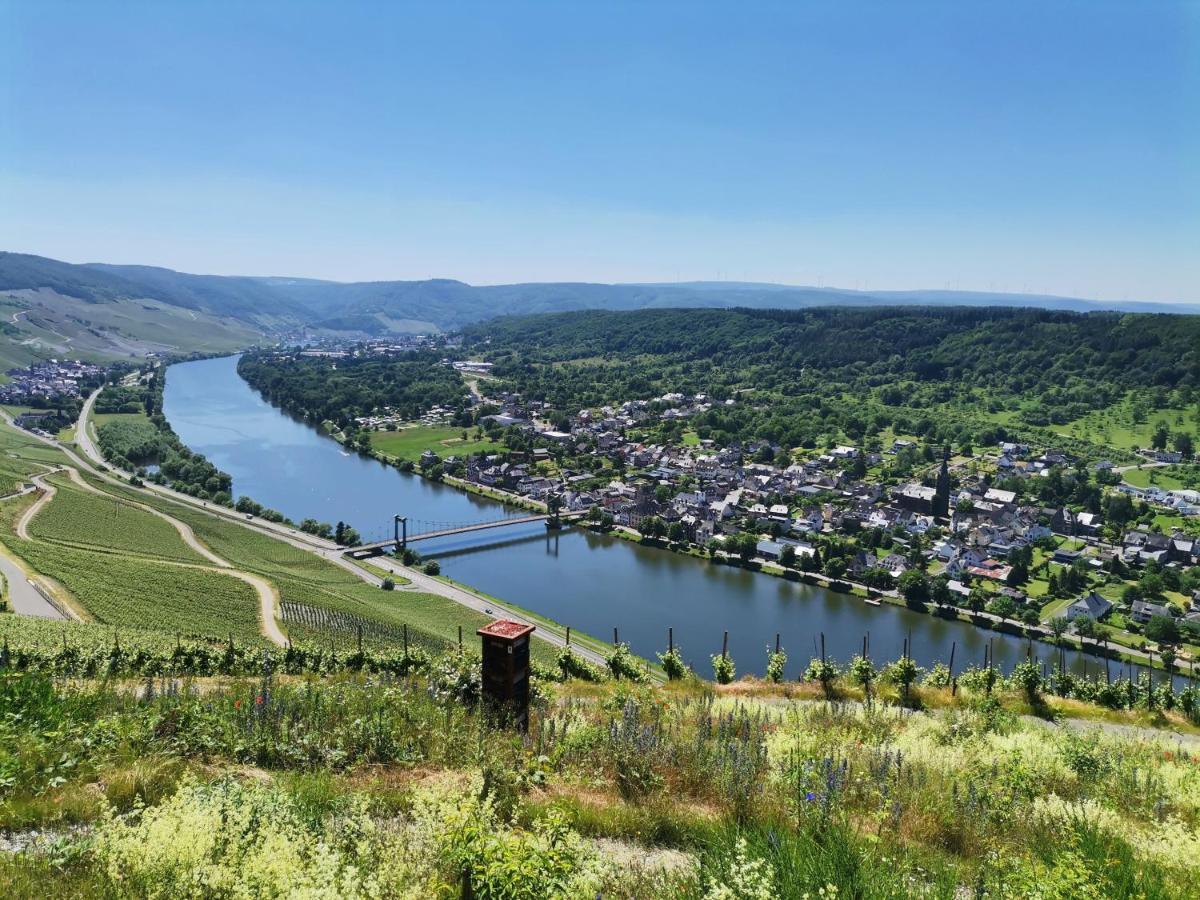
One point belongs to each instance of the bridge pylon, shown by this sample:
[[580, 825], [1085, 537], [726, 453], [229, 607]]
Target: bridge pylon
[[400, 531]]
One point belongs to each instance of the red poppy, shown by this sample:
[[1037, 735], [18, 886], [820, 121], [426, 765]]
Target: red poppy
[[237, 704], [258, 699]]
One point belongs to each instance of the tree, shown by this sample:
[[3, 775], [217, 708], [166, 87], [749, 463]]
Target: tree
[[1002, 606], [977, 600], [1161, 436], [1085, 626], [787, 556], [1183, 443], [914, 585], [1162, 630], [676, 533], [1058, 627]]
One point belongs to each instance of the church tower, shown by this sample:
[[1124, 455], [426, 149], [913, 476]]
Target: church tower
[[941, 496]]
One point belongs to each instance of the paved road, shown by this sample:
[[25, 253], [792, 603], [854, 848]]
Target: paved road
[[22, 596]]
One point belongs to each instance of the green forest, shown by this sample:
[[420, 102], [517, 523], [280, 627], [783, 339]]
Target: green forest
[[951, 374], [341, 390]]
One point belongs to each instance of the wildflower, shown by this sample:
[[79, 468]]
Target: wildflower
[[237, 704], [258, 700], [810, 796]]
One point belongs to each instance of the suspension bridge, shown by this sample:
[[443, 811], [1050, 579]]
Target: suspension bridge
[[426, 530]]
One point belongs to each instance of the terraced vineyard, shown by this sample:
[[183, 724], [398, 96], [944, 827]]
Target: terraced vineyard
[[304, 578], [128, 591], [87, 520]]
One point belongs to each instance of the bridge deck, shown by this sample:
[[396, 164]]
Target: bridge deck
[[464, 529]]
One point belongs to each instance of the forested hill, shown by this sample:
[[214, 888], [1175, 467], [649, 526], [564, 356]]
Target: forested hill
[[849, 365], [379, 307], [342, 390]]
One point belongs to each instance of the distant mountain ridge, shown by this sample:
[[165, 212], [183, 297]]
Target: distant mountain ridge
[[378, 307]]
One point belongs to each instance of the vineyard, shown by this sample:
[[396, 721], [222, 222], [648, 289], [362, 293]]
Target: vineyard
[[316, 625], [75, 649], [307, 579], [90, 521], [126, 591]]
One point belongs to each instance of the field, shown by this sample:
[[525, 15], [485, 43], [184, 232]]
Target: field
[[54, 325], [410, 443], [1169, 478], [126, 591], [1130, 424], [94, 522]]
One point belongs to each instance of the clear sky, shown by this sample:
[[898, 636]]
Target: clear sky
[[1043, 146]]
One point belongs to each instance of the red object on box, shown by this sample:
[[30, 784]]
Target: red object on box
[[506, 629]]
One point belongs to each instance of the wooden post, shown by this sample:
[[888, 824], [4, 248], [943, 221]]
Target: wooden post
[[953, 646], [459, 637], [616, 637], [568, 635], [360, 637], [777, 642], [822, 648], [405, 629], [670, 639], [725, 645]]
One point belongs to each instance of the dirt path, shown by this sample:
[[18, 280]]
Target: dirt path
[[48, 492]]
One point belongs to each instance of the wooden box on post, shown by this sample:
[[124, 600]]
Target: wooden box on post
[[506, 670]]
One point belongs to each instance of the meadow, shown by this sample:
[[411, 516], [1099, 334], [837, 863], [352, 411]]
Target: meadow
[[410, 443], [376, 786]]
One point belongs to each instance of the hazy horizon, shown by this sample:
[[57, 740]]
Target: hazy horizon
[[1012, 147]]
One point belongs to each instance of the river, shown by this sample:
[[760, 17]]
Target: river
[[591, 582]]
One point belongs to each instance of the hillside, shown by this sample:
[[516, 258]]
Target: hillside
[[954, 374], [380, 307]]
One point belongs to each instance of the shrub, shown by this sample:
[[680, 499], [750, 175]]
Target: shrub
[[573, 666], [776, 664], [432, 568], [724, 669], [673, 665], [622, 664]]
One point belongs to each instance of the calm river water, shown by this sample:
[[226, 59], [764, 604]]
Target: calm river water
[[590, 582]]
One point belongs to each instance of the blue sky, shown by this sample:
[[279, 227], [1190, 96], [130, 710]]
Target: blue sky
[[1050, 147]]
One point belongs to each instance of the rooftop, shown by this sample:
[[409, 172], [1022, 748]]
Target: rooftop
[[507, 629]]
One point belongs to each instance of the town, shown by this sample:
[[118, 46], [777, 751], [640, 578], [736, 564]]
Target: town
[[998, 533]]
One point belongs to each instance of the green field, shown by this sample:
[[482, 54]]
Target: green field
[[55, 325], [1170, 478], [126, 591], [1124, 425], [410, 443], [91, 522]]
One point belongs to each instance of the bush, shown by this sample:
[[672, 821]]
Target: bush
[[724, 669], [388, 584], [776, 664], [572, 666], [432, 568], [623, 664], [673, 665]]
